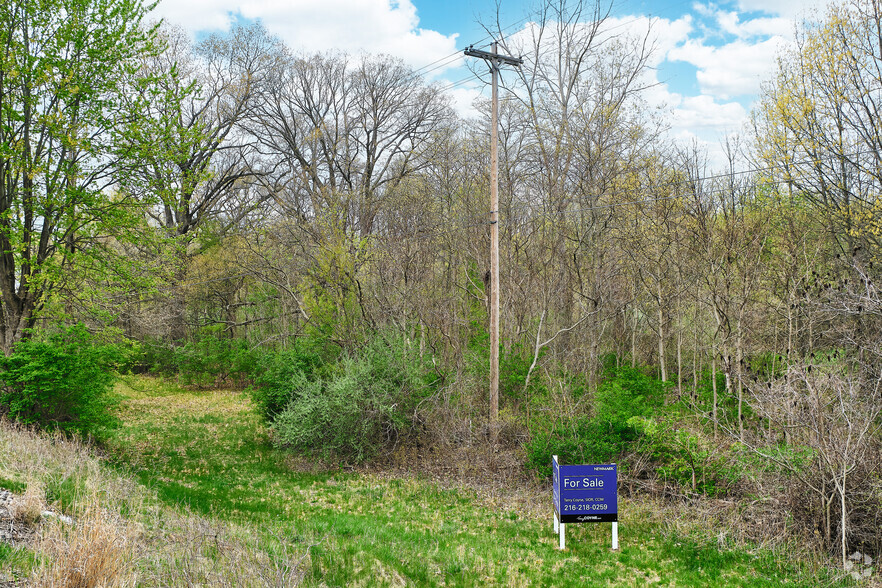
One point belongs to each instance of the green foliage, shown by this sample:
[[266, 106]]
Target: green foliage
[[208, 359], [727, 406], [17, 561], [61, 382], [514, 365], [156, 357], [478, 335], [685, 456], [280, 373], [602, 435], [65, 493], [361, 407], [212, 357], [12, 485], [65, 65], [768, 365], [790, 459], [627, 392]]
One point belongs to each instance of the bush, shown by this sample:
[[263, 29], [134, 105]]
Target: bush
[[213, 357], [62, 382], [602, 435], [280, 373], [685, 456], [210, 358], [360, 408], [156, 357]]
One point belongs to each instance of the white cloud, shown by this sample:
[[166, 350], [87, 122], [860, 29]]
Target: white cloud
[[662, 35], [463, 101], [704, 9], [734, 69], [789, 9], [704, 113], [665, 34], [730, 22], [197, 15], [373, 26]]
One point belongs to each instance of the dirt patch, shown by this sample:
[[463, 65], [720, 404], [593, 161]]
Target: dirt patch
[[12, 532]]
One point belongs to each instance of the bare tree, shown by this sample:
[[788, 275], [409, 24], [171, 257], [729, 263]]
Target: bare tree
[[192, 161], [578, 97], [834, 416], [346, 132]]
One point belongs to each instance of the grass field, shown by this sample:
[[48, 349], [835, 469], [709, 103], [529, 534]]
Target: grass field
[[208, 452]]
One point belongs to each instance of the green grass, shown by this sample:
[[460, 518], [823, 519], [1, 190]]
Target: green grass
[[13, 485], [208, 451], [15, 562]]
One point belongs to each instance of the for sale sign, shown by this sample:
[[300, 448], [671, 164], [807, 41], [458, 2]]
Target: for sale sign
[[585, 493]]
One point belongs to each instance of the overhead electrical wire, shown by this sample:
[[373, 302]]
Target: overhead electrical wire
[[643, 202], [462, 223], [719, 176], [481, 43], [489, 36]]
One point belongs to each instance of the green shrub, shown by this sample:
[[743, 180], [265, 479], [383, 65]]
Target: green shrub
[[213, 357], [602, 434], [157, 357], [514, 365], [207, 360], [131, 356], [360, 408], [727, 405], [62, 382], [280, 373], [686, 457]]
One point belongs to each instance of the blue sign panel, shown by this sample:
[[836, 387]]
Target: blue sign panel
[[586, 493]]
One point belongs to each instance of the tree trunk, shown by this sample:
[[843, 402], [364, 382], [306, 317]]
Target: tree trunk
[[739, 358], [842, 517], [634, 341], [661, 336], [714, 387]]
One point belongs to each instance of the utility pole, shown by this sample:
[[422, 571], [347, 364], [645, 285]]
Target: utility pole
[[494, 60]]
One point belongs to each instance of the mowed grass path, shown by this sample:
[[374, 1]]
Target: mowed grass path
[[208, 451]]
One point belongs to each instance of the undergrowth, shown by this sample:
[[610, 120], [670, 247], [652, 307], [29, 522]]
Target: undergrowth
[[211, 452]]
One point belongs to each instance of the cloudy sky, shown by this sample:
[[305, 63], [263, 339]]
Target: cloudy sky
[[710, 61]]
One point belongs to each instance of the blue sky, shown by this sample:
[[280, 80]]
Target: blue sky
[[710, 61]]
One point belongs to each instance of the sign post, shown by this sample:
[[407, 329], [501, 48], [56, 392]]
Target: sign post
[[585, 494]]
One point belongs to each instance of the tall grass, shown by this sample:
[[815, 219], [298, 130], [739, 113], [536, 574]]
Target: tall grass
[[211, 450], [121, 535]]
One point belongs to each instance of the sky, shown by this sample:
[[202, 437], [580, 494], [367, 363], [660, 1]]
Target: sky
[[710, 60]]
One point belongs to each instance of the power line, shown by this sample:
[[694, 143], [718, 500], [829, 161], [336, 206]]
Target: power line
[[696, 180], [442, 230], [464, 81], [611, 205]]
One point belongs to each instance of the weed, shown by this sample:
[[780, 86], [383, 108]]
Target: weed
[[13, 485], [210, 451], [16, 562], [97, 551], [28, 508]]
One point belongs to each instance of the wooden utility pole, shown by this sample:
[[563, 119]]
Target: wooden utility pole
[[494, 60]]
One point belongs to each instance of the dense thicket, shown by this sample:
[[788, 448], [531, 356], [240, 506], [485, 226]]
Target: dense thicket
[[317, 226]]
